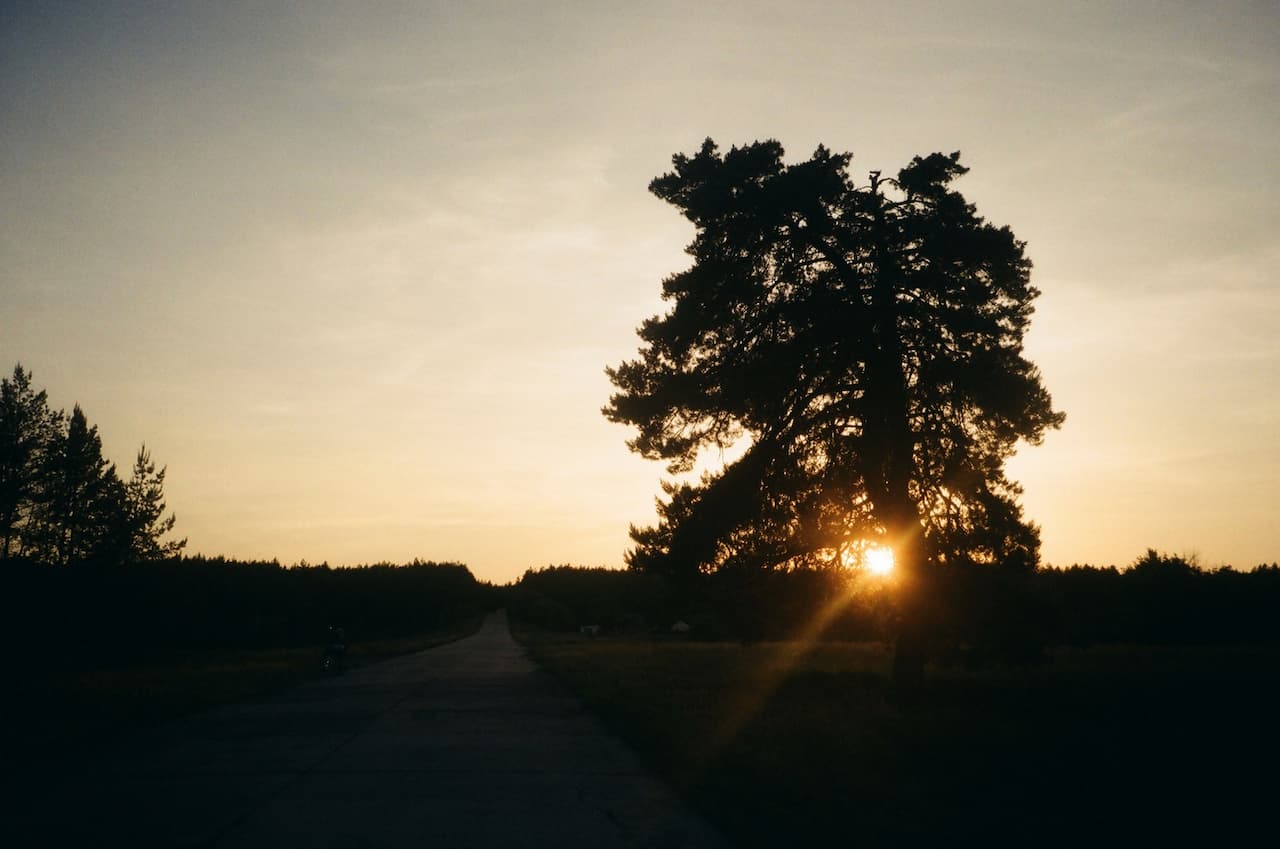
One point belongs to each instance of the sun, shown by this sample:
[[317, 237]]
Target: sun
[[878, 560]]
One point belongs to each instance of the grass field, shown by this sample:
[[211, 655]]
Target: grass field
[[782, 744], [61, 709]]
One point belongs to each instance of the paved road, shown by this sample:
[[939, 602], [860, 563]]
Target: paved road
[[464, 745]]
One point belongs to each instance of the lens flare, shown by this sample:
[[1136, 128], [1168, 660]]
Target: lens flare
[[878, 560]]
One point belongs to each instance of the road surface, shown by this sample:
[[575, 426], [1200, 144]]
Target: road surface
[[464, 745]]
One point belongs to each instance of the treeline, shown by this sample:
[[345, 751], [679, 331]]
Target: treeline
[[123, 593], [61, 502], [90, 616], [1159, 599]]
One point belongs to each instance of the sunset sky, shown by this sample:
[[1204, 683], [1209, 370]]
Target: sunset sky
[[354, 271]]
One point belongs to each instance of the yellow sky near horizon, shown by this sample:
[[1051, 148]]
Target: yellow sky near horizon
[[354, 271]]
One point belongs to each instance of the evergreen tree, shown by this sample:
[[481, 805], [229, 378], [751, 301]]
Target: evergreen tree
[[84, 509], [144, 512], [60, 500], [29, 431]]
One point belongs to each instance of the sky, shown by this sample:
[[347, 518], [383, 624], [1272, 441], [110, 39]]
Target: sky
[[353, 271]]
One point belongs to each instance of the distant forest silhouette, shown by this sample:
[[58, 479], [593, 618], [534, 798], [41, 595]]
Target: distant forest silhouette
[[206, 603], [86, 562], [988, 616]]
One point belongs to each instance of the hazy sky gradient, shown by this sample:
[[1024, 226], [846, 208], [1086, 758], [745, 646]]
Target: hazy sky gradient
[[353, 271]]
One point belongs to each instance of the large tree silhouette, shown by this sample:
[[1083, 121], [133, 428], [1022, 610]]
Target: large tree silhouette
[[867, 341]]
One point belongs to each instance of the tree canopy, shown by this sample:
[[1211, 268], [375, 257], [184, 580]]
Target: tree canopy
[[865, 341]]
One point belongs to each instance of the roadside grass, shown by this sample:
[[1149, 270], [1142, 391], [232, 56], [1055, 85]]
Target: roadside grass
[[57, 710], [784, 744]]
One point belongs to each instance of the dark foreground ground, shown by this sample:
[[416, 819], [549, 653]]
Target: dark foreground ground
[[782, 744], [71, 706], [464, 745]]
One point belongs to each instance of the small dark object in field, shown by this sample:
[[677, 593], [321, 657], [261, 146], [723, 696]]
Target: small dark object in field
[[333, 661]]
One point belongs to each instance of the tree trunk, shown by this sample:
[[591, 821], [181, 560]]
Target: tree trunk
[[913, 585], [892, 443]]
